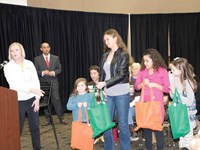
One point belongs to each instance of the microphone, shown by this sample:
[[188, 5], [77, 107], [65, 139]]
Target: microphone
[[3, 64]]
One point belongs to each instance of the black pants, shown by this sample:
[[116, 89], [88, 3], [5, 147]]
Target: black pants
[[33, 119], [159, 139]]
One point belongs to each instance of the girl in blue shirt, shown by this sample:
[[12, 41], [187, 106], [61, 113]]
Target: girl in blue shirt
[[79, 98]]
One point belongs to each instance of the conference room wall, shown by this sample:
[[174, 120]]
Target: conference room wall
[[121, 6]]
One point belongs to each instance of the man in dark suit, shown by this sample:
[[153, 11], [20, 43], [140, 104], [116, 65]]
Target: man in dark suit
[[48, 68]]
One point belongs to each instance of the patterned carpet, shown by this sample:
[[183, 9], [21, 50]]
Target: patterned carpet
[[64, 135]]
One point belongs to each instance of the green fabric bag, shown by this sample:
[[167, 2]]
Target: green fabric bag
[[99, 115], [178, 115]]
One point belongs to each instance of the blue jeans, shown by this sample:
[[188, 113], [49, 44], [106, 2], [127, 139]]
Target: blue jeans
[[120, 104], [131, 114]]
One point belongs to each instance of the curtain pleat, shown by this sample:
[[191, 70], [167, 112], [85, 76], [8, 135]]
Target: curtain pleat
[[149, 31], [185, 38]]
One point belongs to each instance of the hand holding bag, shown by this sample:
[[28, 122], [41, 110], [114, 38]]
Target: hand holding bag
[[99, 115], [148, 114], [178, 116], [81, 136]]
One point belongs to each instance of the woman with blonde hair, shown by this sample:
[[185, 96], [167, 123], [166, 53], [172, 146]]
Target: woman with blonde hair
[[134, 69], [22, 77]]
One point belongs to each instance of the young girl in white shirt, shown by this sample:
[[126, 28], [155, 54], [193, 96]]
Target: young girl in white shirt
[[182, 79]]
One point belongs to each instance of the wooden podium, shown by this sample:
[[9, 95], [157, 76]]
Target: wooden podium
[[9, 116]]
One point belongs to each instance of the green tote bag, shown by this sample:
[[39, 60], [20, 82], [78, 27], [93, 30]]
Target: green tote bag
[[178, 115], [99, 115]]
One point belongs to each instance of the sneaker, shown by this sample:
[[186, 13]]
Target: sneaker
[[96, 140], [134, 137], [102, 138], [99, 138]]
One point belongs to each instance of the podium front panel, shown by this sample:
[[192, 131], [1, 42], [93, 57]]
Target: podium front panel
[[9, 124]]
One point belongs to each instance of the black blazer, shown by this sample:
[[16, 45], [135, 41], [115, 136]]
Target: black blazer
[[119, 68]]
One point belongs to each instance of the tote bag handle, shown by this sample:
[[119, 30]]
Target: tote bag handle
[[176, 97], [142, 93], [80, 115]]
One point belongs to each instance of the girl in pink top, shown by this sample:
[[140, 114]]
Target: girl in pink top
[[154, 75]]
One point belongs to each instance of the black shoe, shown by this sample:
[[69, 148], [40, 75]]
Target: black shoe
[[62, 121], [184, 148]]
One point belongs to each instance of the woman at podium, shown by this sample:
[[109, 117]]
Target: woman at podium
[[22, 77]]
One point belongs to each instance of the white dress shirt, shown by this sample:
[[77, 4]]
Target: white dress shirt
[[49, 63]]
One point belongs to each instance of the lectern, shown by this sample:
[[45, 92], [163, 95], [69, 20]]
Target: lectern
[[9, 120]]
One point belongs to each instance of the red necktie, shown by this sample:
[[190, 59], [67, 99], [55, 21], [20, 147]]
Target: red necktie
[[47, 61]]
